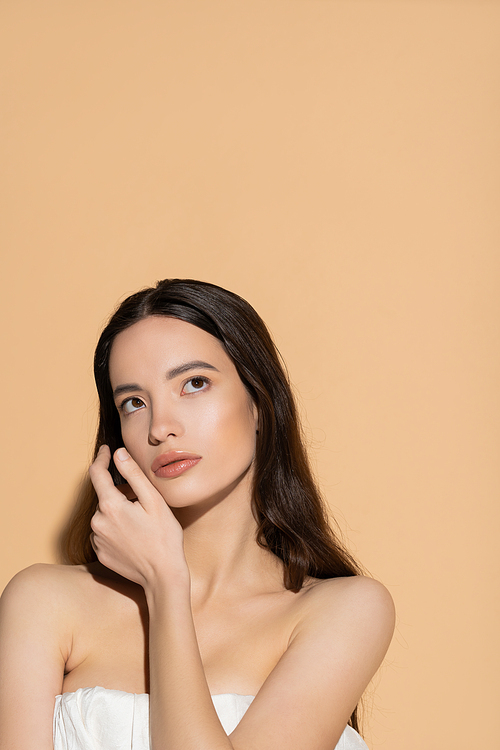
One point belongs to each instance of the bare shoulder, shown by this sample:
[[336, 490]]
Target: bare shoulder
[[45, 583], [34, 582], [361, 592], [357, 605], [58, 604], [57, 595], [343, 627], [62, 580], [45, 600], [46, 615]]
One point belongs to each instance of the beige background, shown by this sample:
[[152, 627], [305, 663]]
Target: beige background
[[337, 164]]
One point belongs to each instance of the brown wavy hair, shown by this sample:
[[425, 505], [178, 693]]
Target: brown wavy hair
[[291, 517]]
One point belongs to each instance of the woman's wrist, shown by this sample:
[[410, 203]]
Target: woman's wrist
[[165, 587]]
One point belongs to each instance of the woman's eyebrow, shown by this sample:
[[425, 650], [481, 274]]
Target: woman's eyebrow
[[125, 388], [171, 374], [196, 364]]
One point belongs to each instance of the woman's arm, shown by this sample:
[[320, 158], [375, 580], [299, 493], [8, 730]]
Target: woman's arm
[[32, 658], [143, 542], [306, 701], [182, 714]]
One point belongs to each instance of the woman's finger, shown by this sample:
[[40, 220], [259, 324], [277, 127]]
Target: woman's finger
[[127, 490], [136, 479], [99, 474]]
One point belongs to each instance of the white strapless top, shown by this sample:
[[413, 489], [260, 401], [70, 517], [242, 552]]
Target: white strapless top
[[100, 719]]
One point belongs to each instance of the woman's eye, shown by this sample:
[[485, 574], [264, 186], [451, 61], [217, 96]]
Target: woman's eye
[[132, 404], [195, 384]]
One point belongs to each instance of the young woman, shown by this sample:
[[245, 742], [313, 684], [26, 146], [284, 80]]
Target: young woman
[[208, 606]]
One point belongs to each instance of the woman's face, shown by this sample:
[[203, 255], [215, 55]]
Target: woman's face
[[186, 417]]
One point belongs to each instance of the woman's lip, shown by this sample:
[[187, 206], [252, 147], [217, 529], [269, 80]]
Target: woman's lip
[[176, 468], [168, 458]]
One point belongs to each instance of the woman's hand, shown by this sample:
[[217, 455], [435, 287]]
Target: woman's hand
[[140, 540]]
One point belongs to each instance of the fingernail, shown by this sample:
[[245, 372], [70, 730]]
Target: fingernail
[[122, 454]]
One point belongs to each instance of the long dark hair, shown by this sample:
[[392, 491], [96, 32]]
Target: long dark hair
[[291, 518]]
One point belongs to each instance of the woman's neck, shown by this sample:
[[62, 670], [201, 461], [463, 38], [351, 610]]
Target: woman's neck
[[222, 552]]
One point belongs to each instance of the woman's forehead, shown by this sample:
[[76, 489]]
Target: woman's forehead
[[166, 342]]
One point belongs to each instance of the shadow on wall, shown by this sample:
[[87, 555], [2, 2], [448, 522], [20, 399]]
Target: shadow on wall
[[72, 544]]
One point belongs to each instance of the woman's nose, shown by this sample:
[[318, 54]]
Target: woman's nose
[[164, 424]]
